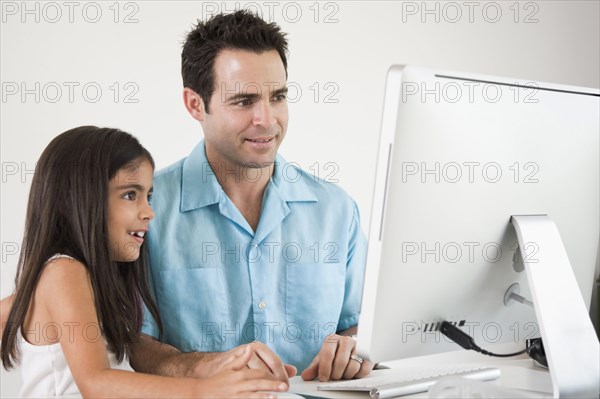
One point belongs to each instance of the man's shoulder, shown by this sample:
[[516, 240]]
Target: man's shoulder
[[167, 181], [326, 190], [169, 171], [329, 185]]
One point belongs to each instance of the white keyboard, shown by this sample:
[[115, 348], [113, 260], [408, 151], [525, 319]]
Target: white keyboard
[[389, 386]]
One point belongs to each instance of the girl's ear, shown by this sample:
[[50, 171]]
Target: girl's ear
[[194, 104]]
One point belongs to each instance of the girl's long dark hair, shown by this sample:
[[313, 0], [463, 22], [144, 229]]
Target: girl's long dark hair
[[67, 214]]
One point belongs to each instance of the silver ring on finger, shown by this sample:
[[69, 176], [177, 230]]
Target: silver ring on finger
[[357, 358]]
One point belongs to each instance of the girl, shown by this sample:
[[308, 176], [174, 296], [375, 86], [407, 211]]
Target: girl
[[81, 286]]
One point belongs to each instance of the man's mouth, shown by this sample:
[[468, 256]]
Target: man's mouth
[[261, 140]]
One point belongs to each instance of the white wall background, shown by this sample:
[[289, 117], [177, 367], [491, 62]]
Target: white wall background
[[109, 63]]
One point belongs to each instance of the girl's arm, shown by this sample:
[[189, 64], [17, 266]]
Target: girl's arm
[[151, 356], [64, 296]]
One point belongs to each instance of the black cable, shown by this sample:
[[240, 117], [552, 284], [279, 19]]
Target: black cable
[[466, 341]]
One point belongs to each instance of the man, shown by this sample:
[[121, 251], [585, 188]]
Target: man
[[245, 246]]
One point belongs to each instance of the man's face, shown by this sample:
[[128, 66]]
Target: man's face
[[248, 110]]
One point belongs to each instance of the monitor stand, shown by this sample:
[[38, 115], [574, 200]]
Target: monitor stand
[[570, 342]]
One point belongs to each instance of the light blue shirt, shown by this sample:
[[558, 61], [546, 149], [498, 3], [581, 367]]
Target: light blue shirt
[[219, 284]]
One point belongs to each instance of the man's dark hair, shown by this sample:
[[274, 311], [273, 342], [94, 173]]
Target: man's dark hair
[[241, 30]]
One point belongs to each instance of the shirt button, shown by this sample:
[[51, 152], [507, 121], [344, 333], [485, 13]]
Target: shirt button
[[262, 305]]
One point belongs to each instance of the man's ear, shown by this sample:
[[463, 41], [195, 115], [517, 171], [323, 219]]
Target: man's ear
[[194, 104]]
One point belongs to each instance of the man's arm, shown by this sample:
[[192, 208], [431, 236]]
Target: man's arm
[[349, 332], [153, 357], [337, 357]]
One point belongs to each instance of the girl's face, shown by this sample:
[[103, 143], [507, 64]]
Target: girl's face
[[129, 210]]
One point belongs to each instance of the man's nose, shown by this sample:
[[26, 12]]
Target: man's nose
[[264, 114]]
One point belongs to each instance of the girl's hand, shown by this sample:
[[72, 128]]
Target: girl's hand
[[237, 380]]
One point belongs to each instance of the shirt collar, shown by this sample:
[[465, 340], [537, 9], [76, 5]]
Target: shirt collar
[[199, 185], [201, 188], [290, 182]]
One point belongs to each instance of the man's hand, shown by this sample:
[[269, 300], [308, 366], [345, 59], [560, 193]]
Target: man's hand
[[261, 358], [337, 360]]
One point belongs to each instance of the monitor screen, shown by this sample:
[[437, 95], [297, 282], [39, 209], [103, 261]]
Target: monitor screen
[[459, 154]]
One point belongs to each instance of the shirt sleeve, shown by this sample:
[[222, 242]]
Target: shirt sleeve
[[149, 325], [355, 270]]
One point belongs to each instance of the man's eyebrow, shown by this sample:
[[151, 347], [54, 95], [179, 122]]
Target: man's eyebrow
[[242, 96], [282, 90], [253, 96]]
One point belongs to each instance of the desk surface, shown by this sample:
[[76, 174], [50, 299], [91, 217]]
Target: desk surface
[[518, 373]]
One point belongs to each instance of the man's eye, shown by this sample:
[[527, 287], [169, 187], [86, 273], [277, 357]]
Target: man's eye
[[243, 103], [280, 97]]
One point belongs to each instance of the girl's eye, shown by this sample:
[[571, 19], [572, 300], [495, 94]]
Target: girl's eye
[[129, 196], [149, 198]]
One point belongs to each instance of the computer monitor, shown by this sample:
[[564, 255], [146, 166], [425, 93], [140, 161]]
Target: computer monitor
[[459, 155]]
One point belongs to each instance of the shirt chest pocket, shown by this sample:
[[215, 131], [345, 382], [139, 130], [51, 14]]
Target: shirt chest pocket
[[193, 307], [314, 294]]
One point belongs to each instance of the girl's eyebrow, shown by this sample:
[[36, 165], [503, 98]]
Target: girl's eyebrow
[[138, 187]]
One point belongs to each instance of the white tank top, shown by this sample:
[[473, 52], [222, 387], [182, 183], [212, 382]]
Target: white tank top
[[45, 370], [46, 373]]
